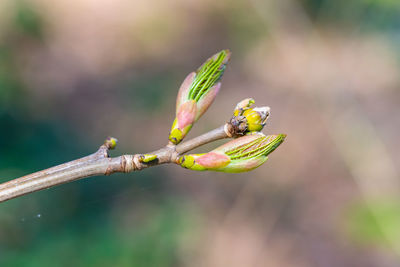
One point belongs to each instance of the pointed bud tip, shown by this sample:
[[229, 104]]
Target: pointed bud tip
[[273, 142], [282, 136], [228, 54]]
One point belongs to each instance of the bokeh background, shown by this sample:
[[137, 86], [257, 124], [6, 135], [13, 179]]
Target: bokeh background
[[75, 71]]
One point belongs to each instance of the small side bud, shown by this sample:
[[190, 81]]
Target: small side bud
[[111, 142], [246, 119], [239, 155], [147, 158]]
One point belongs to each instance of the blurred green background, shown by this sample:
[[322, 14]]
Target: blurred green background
[[73, 72]]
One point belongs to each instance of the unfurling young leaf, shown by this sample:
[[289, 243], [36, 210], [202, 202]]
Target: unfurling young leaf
[[239, 155], [196, 94]]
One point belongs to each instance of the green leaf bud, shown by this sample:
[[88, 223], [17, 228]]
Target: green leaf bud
[[239, 155], [197, 93]]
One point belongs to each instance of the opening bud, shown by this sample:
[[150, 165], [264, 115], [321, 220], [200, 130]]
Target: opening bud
[[147, 158], [197, 93], [239, 155]]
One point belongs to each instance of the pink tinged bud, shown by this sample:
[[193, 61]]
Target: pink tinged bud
[[186, 114], [184, 90], [239, 155], [205, 102], [213, 160], [248, 152], [196, 94]]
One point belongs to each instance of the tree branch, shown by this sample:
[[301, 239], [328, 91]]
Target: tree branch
[[195, 95], [99, 163]]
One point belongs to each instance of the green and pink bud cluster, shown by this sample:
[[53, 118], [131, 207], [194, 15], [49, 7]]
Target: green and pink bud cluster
[[239, 155], [196, 94]]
